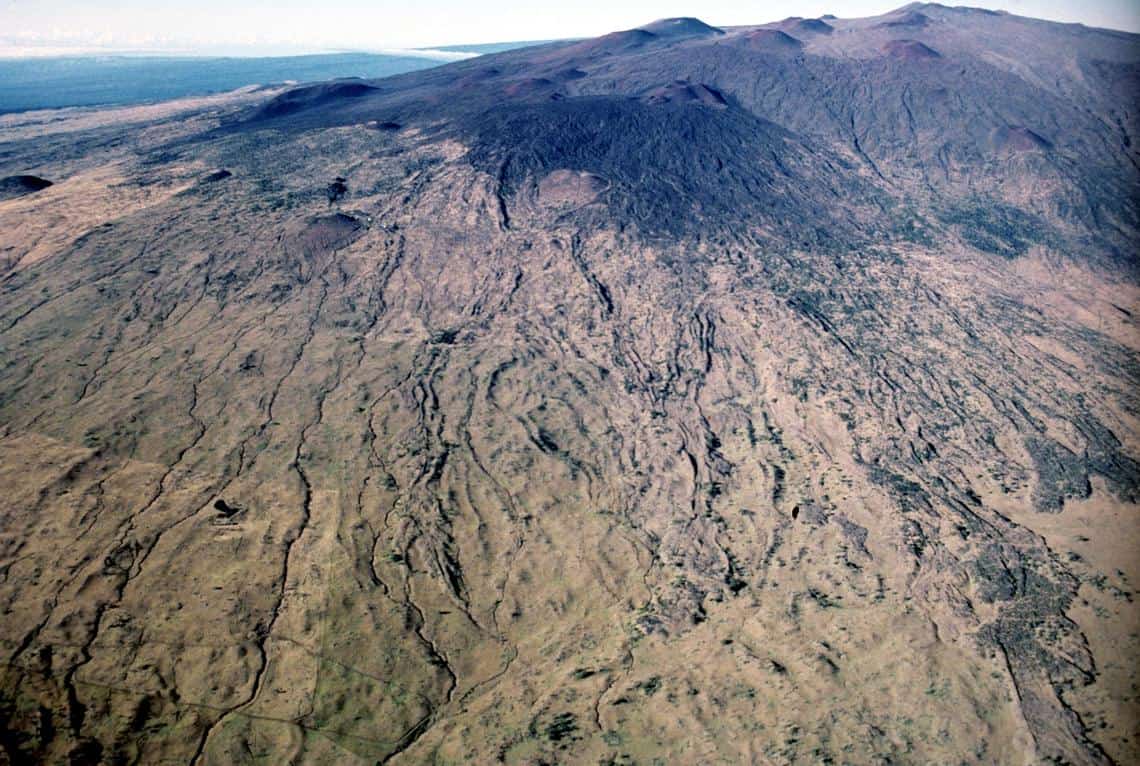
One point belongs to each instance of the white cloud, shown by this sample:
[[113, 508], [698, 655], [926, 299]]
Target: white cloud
[[427, 53]]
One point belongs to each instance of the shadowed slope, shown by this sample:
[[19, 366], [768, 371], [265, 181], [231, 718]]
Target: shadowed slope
[[17, 186]]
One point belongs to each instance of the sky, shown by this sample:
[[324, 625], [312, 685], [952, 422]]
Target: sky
[[266, 27]]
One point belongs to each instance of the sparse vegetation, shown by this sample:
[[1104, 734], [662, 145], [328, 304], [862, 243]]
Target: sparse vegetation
[[619, 401]]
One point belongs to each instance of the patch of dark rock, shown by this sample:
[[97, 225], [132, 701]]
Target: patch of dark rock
[[828, 663], [337, 189], [649, 686], [314, 96], [810, 513], [330, 232], [1018, 139], [777, 668], [735, 584], [18, 747], [1104, 456], [225, 509], [855, 534], [19, 186], [914, 538], [444, 337], [654, 184], [822, 599], [1061, 475], [561, 727], [250, 362], [1030, 630], [649, 624], [546, 441], [388, 126], [121, 559], [46, 725], [996, 228], [217, 175], [993, 582]]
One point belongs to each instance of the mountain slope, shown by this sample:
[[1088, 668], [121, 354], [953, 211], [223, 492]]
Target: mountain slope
[[686, 394]]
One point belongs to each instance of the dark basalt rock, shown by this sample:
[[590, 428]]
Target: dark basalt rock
[[336, 190], [19, 186], [1018, 139], [328, 233], [224, 508], [659, 189]]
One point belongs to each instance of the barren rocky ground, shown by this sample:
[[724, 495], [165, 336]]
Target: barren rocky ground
[[762, 395]]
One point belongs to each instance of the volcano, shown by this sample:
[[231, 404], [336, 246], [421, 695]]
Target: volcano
[[691, 394]]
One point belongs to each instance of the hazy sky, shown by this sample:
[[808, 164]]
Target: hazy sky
[[262, 26]]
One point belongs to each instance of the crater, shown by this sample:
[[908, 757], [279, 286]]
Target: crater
[[681, 92], [809, 26], [909, 50], [311, 96], [330, 232], [771, 40], [1018, 139], [681, 27], [570, 187], [532, 86]]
